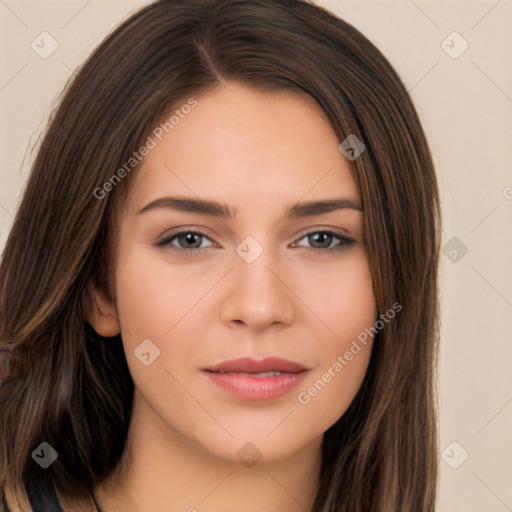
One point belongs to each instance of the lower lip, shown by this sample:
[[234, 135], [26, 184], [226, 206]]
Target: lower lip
[[257, 388]]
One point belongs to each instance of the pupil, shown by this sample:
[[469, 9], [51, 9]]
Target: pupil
[[189, 238], [320, 235]]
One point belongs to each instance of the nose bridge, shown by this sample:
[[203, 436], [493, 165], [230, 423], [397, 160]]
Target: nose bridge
[[257, 297]]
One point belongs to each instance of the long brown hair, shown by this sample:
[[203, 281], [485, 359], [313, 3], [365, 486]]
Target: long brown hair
[[72, 388]]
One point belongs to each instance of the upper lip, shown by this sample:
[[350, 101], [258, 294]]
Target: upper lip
[[247, 365]]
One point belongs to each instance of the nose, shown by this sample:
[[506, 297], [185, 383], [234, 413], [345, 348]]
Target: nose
[[258, 295]]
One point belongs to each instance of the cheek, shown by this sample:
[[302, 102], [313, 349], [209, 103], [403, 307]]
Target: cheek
[[345, 303], [153, 296], [341, 296], [154, 301]]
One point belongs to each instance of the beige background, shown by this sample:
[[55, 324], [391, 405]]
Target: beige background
[[466, 107]]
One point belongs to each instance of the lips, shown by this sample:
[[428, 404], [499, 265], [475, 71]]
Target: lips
[[247, 365], [251, 380]]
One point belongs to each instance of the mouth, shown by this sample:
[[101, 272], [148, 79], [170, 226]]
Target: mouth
[[252, 380], [252, 366]]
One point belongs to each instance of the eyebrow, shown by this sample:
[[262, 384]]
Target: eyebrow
[[217, 209]]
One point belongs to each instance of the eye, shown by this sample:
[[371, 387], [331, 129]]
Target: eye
[[189, 242], [186, 241], [323, 240]]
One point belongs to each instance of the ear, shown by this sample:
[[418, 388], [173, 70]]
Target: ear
[[102, 313]]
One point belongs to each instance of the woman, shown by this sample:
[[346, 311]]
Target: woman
[[289, 363]]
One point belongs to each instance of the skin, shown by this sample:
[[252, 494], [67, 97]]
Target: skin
[[258, 152]]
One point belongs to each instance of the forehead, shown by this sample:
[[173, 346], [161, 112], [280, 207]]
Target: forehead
[[240, 141]]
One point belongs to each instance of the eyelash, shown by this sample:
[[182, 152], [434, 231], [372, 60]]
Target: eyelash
[[166, 242]]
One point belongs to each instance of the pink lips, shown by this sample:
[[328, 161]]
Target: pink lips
[[253, 380]]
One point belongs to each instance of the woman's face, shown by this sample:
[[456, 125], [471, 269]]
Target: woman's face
[[256, 277]]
